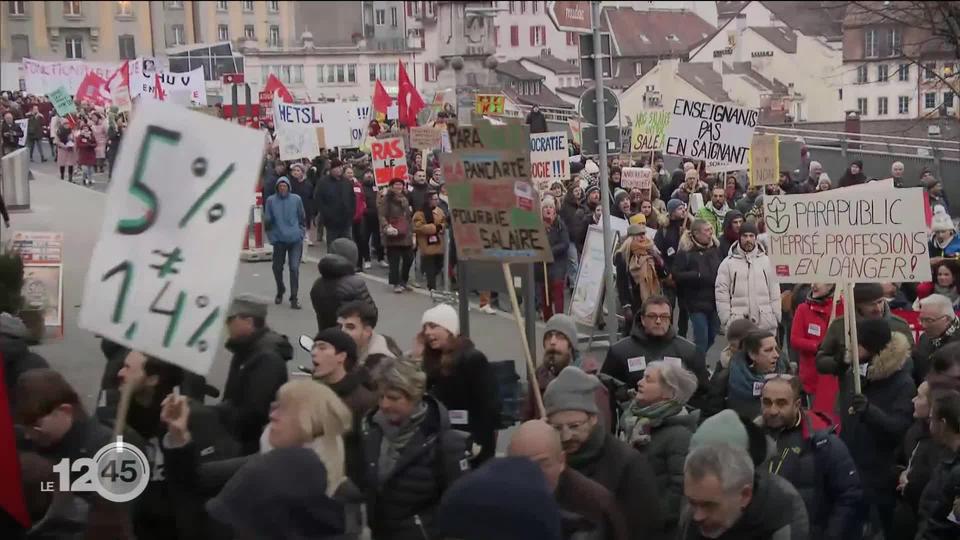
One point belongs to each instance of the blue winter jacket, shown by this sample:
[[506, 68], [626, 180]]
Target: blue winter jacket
[[284, 216]]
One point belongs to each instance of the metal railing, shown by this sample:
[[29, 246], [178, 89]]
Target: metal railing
[[886, 145]]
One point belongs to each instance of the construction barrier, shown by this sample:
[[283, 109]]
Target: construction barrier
[[257, 251]]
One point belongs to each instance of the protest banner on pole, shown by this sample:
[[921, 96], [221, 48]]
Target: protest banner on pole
[[549, 159], [389, 160], [848, 235], [296, 128], [425, 137], [494, 209], [648, 131], [358, 119], [62, 101], [162, 272], [489, 103], [636, 177], [710, 131], [764, 160]]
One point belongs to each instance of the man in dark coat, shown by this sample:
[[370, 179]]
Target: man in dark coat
[[653, 338], [272, 171], [338, 283], [257, 370], [695, 272], [537, 121], [335, 202], [667, 241], [594, 452], [10, 134], [814, 460], [574, 492], [35, 126], [417, 194], [939, 518]]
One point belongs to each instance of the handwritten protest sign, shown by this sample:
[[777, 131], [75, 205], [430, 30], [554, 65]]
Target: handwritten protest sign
[[490, 103], [495, 211], [710, 131], [764, 160], [43, 78], [145, 83], [389, 160], [162, 271], [636, 177], [62, 101], [548, 159], [648, 131], [848, 235], [425, 137], [358, 119], [296, 128]]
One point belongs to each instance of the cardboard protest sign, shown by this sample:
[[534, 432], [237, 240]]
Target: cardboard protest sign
[[162, 271], [43, 78], [636, 177], [145, 83], [648, 131], [711, 131], [494, 209], [549, 159], [389, 160], [764, 160], [62, 101], [848, 235], [425, 137], [296, 127], [489, 103], [358, 119]]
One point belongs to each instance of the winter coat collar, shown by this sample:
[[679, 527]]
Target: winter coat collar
[[687, 243], [638, 333], [758, 251], [890, 360]]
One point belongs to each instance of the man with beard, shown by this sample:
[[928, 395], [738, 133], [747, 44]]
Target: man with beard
[[716, 210], [749, 200], [560, 351], [418, 190]]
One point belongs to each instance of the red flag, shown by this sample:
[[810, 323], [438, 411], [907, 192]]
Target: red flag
[[276, 85], [410, 101], [124, 73], [90, 89], [158, 92], [11, 489], [381, 99]]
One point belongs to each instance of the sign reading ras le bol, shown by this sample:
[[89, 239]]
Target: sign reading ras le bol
[[848, 235]]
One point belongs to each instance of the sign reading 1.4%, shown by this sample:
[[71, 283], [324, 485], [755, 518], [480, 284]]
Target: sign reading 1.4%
[[162, 272]]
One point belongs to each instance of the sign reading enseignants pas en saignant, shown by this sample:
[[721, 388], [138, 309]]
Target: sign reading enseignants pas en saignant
[[710, 131]]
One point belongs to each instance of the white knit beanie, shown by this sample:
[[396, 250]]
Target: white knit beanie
[[444, 316], [941, 220]]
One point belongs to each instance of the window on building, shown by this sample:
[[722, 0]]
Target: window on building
[[351, 73], [223, 32], [637, 69], [883, 72], [373, 72], [287, 74], [929, 71], [862, 106], [948, 99], [388, 72], [174, 4], [903, 104], [882, 105], [20, 47], [896, 42], [380, 17], [930, 100], [274, 6], [177, 30], [128, 47], [124, 8], [869, 43], [573, 39], [221, 5], [510, 7], [523, 7], [249, 32], [862, 74], [73, 47], [16, 8], [430, 72], [903, 72], [514, 36], [248, 5], [538, 36], [72, 8], [274, 36], [393, 17]]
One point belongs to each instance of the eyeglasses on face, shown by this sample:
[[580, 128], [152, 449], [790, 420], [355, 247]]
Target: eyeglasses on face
[[931, 320], [657, 317]]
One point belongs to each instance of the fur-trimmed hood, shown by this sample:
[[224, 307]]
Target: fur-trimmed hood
[[687, 243], [891, 359]]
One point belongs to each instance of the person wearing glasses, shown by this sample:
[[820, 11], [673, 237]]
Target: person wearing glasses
[[739, 386], [940, 328], [592, 450], [874, 422], [813, 458], [939, 503]]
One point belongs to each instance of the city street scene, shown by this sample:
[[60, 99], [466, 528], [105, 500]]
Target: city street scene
[[525, 270]]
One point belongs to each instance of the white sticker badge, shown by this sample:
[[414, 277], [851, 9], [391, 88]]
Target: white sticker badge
[[637, 363]]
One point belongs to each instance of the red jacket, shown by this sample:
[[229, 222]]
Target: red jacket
[[361, 207], [86, 150], [809, 328]]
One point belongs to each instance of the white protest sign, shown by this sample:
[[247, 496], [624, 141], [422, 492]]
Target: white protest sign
[[173, 83], [296, 124], [23, 122], [848, 235], [358, 116], [162, 271], [711, 131], [45, 77], [548, 159], [636, 177], [389, 160]]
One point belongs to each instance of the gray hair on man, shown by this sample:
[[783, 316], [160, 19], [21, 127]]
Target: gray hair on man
[[940, 304], [732, 466], [896, 165], [676, 379]]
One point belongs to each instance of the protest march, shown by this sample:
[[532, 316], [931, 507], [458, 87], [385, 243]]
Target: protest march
[[783, 361]]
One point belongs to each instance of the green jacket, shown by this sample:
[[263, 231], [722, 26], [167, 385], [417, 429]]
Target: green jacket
[[713, 216]]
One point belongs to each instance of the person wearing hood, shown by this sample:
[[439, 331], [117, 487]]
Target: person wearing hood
[[258, 368], [285, 221], [338, 283], [15, 353], [640, 268], [695, 272], [738, 387], [807, 332], [944, 241], [335, 203], [874, 422], [302, 186], [659, 424], [814, 459], [560, 351], [730, 234], [396, 225], [412, 455], [651, 339], [853, 176], [598, 454], [745, 286]]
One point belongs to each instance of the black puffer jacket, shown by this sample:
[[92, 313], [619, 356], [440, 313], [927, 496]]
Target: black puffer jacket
[[695, 272], [338, 283], [402, 504], [667, 240], [937, 503], [334, 201]]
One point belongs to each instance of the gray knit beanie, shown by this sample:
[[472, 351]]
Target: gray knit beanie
[[572, 390], [565, 325]]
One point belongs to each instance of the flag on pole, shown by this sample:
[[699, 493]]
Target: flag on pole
[[12, 500], [158, 93], [275, 85], [410, 101], [381, 99]]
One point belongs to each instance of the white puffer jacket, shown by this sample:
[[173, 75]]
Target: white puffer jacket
[[746, 289]]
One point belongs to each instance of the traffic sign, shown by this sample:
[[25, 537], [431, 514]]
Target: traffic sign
[[591, 136], [571, 16], [587, 52], [588, 106]]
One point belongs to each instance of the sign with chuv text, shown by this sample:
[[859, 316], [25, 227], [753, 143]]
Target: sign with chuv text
[[494, 208], [717, 133], [848, 235]]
